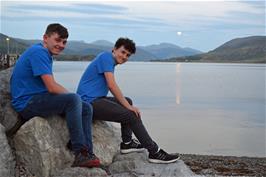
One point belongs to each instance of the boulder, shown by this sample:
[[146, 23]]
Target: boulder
[[106, 140], [80, 172], [136, 164], [8, 117], [7, 160], [41, 145]]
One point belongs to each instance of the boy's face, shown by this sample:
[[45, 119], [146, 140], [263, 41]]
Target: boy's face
[[121, 55], [54, 43]]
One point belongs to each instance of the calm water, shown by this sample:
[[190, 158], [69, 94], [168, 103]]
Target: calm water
[[193, 108]]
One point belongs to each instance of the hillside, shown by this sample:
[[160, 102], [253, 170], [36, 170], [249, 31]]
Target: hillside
[[167, 50], [79, 49], [240, 50], [15, 46]]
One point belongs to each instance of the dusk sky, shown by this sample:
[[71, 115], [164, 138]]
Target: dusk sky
[[202, 25]]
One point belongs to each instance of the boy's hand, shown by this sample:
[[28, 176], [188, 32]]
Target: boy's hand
[[135, 110]]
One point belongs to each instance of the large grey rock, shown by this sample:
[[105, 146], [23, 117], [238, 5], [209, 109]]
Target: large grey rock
[[136, 164], [106, 140], [7, 161], [40, 145], [80, 172], [41, 148], [8, 117]]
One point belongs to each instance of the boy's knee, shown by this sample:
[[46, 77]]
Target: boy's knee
[[73, 98], [86, 107], [132, 118]]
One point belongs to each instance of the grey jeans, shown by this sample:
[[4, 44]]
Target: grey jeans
[[109, 109]]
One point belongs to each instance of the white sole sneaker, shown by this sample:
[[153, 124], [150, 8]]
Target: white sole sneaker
[[162, 161], [126, 151]]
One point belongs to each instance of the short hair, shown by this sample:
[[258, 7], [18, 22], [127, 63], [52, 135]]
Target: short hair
[[57, 28], [127, 43]]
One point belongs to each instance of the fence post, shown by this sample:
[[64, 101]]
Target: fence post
[[8, 61]]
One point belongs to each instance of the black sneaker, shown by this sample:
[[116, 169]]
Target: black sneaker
[[163, 157], [133, 146]]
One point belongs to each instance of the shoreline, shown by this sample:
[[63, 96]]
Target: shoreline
[[212, 165], [205, 165]]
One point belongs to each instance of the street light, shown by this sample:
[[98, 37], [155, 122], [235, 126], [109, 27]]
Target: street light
[[7, 40]]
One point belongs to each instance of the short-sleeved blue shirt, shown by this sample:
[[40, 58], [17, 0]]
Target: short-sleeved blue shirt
[[25, 81], [93, 83]]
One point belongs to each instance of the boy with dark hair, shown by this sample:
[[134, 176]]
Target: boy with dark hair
[[35, 93], [93, 87]]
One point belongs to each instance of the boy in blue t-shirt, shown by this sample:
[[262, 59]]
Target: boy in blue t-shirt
[[35, 93], [93, 88]]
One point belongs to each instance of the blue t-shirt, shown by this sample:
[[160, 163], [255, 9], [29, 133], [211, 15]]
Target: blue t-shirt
[[25, 81], [93, 83]]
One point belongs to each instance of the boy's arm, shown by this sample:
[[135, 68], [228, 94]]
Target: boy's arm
[[115, 90], [51, 85]]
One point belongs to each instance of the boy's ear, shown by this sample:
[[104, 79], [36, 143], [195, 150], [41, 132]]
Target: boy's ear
[[44, 37], [114, 49]]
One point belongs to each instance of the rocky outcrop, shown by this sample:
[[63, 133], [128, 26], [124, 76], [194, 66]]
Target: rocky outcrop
[[8, 117], [81, 172], [41, 145], [7, 162], [136, 164], [106, 140]]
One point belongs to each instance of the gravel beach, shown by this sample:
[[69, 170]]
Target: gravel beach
[[210, 165]]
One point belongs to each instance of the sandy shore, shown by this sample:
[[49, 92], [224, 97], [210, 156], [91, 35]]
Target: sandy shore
[[210, 165]]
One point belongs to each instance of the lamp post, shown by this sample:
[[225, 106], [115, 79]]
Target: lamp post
[[7, 40]]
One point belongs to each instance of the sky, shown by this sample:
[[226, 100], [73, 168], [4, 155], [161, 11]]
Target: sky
[[201, 25]]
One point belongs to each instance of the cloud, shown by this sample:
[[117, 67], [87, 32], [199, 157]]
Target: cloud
[[177, 14], [68, 8], [145, 20], [87, 14]]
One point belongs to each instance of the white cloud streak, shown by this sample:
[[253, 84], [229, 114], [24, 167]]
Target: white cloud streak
[[143, 17], [174, 13]]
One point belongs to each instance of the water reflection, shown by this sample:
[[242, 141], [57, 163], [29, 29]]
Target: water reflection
[[178, 67]]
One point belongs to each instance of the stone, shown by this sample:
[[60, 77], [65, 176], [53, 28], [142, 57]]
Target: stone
[[136, 164], [41, 145], [8, 117], [80, 172], [7, 160], [105, 141], [41, 148]]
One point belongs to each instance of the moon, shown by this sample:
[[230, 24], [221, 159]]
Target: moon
[[179, 33]]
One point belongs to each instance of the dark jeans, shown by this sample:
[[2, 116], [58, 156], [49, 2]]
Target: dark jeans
[[78, 115], [109, 109]]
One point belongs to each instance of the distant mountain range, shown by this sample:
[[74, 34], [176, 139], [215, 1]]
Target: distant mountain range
[[143, 53], [240, 50], [167, 50], [244, 50]]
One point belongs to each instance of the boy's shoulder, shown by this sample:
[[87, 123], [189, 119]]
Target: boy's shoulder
[[105, 54], [37, 48], [103, 57]]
